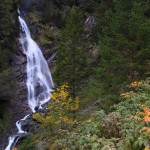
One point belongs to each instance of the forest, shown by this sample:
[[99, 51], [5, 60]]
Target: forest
[[98, 52]]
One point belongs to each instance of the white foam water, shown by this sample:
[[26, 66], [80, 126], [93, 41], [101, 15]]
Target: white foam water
[[11, 140]]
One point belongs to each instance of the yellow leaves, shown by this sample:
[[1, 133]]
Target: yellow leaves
[[53, 97], [14, 148], [37, 141], [123, 94], [63, 105], [76, 105], [38, 117], [64, 86], [48, 119], [128, 94], [73, 108], [61, 94], [58, 122], [41, 118], [142, 105], [61, 108], [67, 120], [61, 97]]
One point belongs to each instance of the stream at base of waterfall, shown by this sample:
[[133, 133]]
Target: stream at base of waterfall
[[39, 80]]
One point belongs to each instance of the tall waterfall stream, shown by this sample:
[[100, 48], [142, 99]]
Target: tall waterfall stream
[[39, 80]]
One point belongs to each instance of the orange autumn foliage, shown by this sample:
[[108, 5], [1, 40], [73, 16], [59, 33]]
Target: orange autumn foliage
[[147, 148], [146, 129], [136, 83], [146, 115]]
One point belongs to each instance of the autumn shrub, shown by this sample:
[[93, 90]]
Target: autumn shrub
[[61, 110]]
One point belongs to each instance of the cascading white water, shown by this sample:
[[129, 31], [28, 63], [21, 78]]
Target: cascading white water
[[39, 80], [11, 141], [38, 73]]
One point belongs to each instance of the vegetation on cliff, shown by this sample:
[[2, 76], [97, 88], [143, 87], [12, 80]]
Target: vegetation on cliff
[[125, 128]]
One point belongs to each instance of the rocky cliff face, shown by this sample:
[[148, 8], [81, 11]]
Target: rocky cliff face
[[19, 66]]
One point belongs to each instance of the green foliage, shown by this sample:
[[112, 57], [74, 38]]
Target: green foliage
[[6, 82], [6, 33], [4, 117], [72, 57], [117, 130], [123, 43], [126, 128], [6, 47], [52, 14], [27, 144], [88, 5]]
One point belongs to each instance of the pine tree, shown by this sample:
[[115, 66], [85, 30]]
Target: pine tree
[[72, 57], [124, 43]]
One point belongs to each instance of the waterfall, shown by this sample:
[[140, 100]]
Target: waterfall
[[38, 74], [39, 80]]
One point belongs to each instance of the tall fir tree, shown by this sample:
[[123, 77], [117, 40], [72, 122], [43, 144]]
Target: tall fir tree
[[72, 57]]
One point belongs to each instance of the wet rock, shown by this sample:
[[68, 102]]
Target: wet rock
[[36, 108], [97, 103], [51, 60], [90, 22]]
